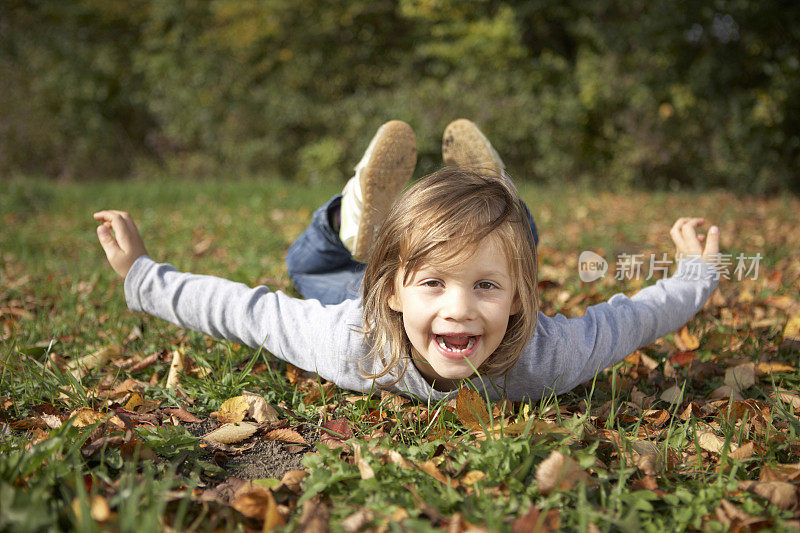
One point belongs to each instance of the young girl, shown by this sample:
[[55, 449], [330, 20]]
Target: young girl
[[448, 290]]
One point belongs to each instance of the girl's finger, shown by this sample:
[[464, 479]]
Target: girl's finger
[[712, 242]]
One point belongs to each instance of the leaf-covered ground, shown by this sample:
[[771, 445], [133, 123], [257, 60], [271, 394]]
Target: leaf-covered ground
[[113, 420]]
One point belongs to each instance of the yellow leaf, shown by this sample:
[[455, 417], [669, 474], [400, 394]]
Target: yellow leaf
[[765, 369], [176, 368], [792, 328], [473, 476], [134, 402], [743, 452], [471, 409], [232, 410]]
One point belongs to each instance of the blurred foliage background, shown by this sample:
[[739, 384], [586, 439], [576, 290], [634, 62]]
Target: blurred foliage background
[[656, 93]]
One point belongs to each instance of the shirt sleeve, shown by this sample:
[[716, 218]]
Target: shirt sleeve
[[564, 353], [302, 332]]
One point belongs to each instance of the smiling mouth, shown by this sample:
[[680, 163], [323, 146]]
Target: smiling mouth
[[456, 344]]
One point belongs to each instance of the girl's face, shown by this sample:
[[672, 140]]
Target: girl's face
[[456, 317]]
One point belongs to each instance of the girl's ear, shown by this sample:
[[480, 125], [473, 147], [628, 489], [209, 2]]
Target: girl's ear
[[516, 306], [395, 304]]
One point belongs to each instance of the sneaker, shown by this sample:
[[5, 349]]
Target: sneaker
[[464, 145], [379, 177]]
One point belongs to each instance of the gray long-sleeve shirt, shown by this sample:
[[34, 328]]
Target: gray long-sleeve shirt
[[563, 353]]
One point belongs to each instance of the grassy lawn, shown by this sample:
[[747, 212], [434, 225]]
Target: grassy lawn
[[698, 431]]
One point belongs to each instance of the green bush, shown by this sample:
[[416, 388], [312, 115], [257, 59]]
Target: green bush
[[656, 94]]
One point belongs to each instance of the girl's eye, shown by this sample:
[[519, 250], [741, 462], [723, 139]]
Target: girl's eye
[[431, 283], [486, 285]]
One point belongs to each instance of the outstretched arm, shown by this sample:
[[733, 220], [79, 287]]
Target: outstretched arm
[[567, 352]]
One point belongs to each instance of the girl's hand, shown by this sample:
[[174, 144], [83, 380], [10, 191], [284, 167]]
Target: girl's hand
[[124, 246], [688, 242]]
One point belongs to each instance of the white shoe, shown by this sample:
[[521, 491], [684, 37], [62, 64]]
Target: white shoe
[[464, 145], [379, 177]]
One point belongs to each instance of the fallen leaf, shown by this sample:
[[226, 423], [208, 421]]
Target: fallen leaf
[[766, 369], [430, 468], [682, 358], [80, 367], [780, 493], [559, 472], [787, 397], [258, 409], [286, 435], [176, 368], [315, 516], [672, 395], [472, 477], [358, 520], [792, 328], [256, 501], [182, 414], [710, 442], [230, 433], [741, 377], [364, 468], [232, 410], [293, 479], [685, 341], [725, 392], [745, 451], [471, 409], [534, 522]]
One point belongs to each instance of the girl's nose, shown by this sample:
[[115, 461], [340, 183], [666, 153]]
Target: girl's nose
[[458, 304]]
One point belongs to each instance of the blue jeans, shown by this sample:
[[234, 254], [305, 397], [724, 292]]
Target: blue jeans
[[321, 267]]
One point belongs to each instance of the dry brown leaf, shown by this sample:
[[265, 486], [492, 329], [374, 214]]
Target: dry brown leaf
[[745, 451], [363, 466], [80, 367], [293, 479], [256, 501], [780, 493], [358, 520], [258, 409], [559, 472], [286, 435], [787, 397], [672, 395], [471, 409], [315, 516], [725, 392], [230, 433], [741, 377], [176, 367], [52, 421], [430, 468], [710, 442], [133, 402], [534, 522]]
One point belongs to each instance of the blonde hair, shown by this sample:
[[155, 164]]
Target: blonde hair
[[434, 223]]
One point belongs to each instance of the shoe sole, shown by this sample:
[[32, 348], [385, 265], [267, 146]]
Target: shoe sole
[[464, 145], [389, 168]]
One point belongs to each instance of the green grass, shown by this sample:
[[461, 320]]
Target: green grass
[[60, 300]]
